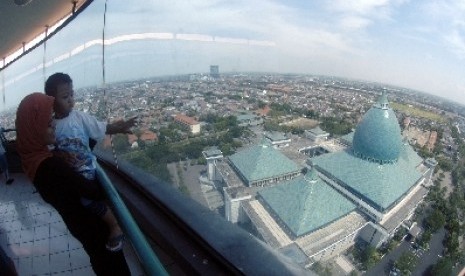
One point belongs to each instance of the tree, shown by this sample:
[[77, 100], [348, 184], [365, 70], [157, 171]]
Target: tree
[[139, 159], [312, 114], [369, 257], [435, 220], [445, 164], [120, 142], [442, 267], [406, 263], [158, 152], [193, 150], [336, 126], [425, 238], [320, 269], [452, 244], [226, 149], [236, 131]]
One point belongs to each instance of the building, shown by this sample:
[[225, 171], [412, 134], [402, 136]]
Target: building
[[262, 165], [277, 139], [148, 136], [188, 122], [211, 155], [383, 175], [316, 134], [249, 120], [214, 71], [364, 191]]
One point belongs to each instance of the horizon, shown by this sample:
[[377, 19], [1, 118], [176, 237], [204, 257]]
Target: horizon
[[405, 90]]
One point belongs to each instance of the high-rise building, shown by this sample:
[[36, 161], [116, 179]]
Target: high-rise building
[[214, 71]]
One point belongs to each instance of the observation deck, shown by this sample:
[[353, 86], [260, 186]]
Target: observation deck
[[187, 238]]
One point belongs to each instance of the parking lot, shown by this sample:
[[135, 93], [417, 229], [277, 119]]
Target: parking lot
[[426, 258]]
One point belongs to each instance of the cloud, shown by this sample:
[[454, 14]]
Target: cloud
[[361, 7], [446, 19], [356, 15], [456, 43], [354, 22]]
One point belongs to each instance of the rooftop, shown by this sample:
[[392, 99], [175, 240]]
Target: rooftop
[[318, 131], [276, 136], [377, 137], [298, 204], [334, 232], [379, 185], [262, 162]]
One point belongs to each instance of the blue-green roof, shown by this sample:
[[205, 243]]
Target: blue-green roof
[[348, 138], [379, 185], [305, 206], [377, 137], [262, 162]]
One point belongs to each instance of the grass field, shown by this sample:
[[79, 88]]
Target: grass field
[[418, 112], [303, 123]]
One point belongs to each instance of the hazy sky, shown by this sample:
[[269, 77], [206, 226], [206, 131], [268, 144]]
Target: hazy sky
[[417, 44], [414, 44]]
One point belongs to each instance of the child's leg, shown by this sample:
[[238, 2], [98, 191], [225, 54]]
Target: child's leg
[[101, 209], [112, 223]]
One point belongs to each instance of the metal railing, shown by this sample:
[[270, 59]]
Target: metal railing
[[148, 259]]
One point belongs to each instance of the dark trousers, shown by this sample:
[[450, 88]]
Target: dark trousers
[[4, 166], [7, 267], [59, 186]]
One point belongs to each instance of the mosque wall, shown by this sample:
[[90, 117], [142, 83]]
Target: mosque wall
[[233, 209], [334, 249]]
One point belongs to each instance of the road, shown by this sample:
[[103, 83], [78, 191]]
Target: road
[[425, 260], [382, 268]]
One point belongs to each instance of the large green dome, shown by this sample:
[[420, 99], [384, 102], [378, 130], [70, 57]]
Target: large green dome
[[377, 137]]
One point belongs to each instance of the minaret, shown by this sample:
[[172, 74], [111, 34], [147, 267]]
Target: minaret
[[211, 156]]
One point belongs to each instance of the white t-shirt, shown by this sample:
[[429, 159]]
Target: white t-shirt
[[72, 136]]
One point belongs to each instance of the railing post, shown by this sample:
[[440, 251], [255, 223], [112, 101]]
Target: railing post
[[147, 257]]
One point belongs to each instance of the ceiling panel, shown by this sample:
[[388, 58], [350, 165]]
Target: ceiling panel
[[20, 24]]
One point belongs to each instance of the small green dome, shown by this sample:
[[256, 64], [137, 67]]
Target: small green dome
[[377, 137]]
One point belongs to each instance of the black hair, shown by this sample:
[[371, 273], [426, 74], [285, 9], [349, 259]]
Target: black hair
[[54, 80]]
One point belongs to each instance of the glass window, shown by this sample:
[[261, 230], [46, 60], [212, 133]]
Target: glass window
[[230, 96]]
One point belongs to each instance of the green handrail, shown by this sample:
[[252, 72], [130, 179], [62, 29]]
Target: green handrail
[[147, 257]]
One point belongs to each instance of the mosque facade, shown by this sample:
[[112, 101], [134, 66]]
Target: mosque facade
[[312, 212]]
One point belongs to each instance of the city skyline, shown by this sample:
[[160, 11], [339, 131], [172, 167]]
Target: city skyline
[[413, 44]]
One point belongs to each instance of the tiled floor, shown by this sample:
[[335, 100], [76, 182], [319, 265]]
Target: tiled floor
[[34, 236]]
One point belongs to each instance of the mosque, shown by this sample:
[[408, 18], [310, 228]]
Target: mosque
[[366, 188]]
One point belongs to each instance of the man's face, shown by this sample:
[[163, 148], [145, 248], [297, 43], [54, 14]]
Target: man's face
[[64, 100]]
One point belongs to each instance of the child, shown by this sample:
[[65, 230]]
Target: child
[[73, 131]]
